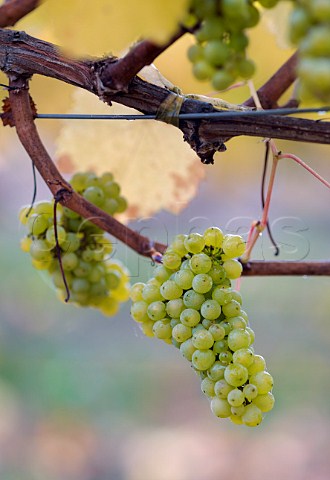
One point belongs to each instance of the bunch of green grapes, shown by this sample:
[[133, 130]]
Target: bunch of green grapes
[[310, 30], [94, 279], [190, 303], [220, 31]]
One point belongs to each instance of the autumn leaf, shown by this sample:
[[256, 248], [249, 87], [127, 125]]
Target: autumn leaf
[[154, 166]]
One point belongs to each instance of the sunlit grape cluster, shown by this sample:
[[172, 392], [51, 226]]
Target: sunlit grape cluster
[[94, 278], [190, 303], [220, 31], [309, 27]]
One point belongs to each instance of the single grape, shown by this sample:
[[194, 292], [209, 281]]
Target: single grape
[[111, 189], [40, 250], [37, 223], [203, 359], [231, 309], [203, 71], [202, 283], [187, 349], [170, 290], [69, 261], [175, 307], [192, 299], [244, 356], [222, 388], [220, 407], [210, 309], [202, 339], [216, 53], [110, 206], [236, 375], [217, 273], [121, 204], [233, 268], [258, 365], [178, 245], [238, 339], [136, 291], [80, 285], [252, 415], [184, 279], [181, 332], [250, 391], [216, 371], [156, 310], [161, 273], [222, 79], [233, 246], [225, 357], [194, 243], [151, 293], [213, 237], [94, 195], [265, 402], [172, 260], [162, 329], [217, 331], [61, 235], [195, 53], [263, 381], [207, 387], [235, 397], [200, 263], [190, 317], [83, 269], [222, 295], [237, 323], [139, 311]]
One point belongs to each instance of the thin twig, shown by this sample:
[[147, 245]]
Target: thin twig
[[13, 10], [277, 268], [263, 179], [309, 169], [117, 74], [34, 194], [58, 252], [258, 227], [273, 89]]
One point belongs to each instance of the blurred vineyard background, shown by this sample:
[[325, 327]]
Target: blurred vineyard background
[[84, 397]]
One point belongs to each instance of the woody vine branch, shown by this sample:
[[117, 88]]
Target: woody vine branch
[[62, 191], [113, 79]]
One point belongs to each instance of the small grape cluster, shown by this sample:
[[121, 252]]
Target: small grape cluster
[[190, 303], [93, 278], [309, 26], [220, 52]]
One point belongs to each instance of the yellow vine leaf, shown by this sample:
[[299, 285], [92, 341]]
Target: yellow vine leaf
[[154, 166], [105, 27]]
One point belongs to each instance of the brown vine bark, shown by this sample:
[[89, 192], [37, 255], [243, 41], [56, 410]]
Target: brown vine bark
[[23, 54]]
